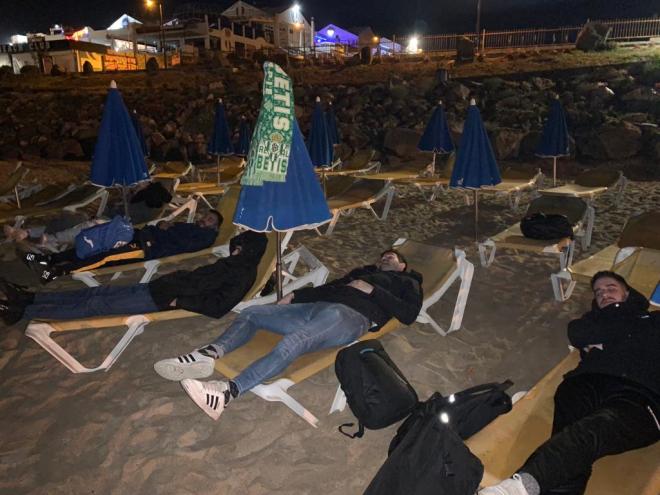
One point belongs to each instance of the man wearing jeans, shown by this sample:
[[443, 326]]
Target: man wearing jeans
[[211, 290], [607, 405], [309, 319]]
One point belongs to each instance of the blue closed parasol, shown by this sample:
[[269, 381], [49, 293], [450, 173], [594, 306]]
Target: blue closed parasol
[[475, 163], [554, 141], [436, 137], [280, 191], [319, 144], [118, 156], [220, 143]]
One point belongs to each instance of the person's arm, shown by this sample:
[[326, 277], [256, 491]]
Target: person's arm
[[309, 293], [405, 308], [593, 329], [214, 304], [180, 238]]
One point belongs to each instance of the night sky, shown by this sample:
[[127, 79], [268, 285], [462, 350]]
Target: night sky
[[385, 16]]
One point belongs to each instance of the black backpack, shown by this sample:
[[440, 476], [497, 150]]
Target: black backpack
[[376, 390], [465, 412], [430, 459], [546, 226]]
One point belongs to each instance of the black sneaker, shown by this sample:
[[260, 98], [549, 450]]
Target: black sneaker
[[16, 293], [48, 275], [9, 313]]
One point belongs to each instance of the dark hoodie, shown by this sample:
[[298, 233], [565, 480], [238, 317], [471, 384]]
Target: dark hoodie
[[395, 295], [213, 290], [630, 337]]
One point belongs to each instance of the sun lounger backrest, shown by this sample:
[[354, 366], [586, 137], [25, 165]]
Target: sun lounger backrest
[[336, 185], [598, 178], [266, 267], [359, 160], [175, 167], [513, 174], [433, 262], [641, 231], [362, 190], [573, 208], [227, 207], [13, 180], [76, 196]]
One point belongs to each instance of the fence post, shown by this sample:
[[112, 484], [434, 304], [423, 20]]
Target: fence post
[[483, 43]]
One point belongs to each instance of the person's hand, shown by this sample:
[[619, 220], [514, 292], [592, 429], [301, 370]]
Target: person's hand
[[361, 285], [286, 299]]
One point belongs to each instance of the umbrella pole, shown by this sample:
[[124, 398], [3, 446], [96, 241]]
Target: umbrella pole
[[217, 164], [476, 216], [433, 166], [124, 196], [554, 171], [278, 264]]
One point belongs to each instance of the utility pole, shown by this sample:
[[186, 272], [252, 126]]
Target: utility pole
[[478, 29]]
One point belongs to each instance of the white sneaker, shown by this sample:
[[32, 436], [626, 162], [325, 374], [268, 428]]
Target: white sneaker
[[209, 396], [193, 365], [511, 486]]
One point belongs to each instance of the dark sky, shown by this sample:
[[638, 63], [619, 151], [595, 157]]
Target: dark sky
[[385, 16]]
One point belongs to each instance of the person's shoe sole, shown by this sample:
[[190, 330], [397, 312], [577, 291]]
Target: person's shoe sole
[[180, 371]]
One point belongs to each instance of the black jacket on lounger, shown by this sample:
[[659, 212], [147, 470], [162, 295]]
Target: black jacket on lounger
[[630, 339], [395, 295], [213, 290]]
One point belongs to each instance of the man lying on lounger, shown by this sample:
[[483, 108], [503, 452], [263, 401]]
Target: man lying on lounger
[[607, 405], [211, 290], [150, 242], [309, 319]]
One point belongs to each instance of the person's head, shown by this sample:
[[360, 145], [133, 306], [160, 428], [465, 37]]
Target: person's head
[[392, 261], [212, 219], [248, 243], [609, 288]]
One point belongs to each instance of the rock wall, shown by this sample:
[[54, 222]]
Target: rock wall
[[612, 114]]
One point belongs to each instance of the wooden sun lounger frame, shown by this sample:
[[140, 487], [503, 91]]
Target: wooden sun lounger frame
[[564, 248], [310, 364], [505, 443], [387, 192], [40, 331], [590, 193]]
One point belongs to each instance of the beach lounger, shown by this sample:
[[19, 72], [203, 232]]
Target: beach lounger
[[227, 171], [592, 184], [361, 193], [440, 268], [513, 184], [71, 200], [635, 256], [174, 170], [361, 162], [505, 444], [579, 214], [90, 275], [42, 331], [9, 190]]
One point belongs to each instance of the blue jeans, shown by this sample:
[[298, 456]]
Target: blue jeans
[[305, 328], [95, 301]]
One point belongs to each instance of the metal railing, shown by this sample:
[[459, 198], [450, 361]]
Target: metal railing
[[622, 30]]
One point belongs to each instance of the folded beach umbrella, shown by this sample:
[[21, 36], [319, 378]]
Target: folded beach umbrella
[[475, 164], [436, 137], [554, 141], [280, 191], [318, 143], [220, 138], [331, 124], [118, 157], [244, 136], [138, 130]]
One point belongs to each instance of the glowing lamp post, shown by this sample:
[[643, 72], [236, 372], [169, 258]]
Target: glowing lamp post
[[151, 4]]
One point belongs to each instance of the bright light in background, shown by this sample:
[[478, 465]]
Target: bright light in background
[[296, 8], [412, 45], [149, 3], [330, 32], [375, 39]]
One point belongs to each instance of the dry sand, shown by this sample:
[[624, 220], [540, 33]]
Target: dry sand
[[128, 431]]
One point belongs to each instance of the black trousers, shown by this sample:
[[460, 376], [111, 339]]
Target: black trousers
[[595, 415]]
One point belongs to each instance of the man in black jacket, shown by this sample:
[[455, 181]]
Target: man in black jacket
[[607, 405], [309, 319], [211, 290], [150, 242]]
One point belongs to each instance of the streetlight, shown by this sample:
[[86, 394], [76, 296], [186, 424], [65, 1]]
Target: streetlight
[[478, 22], [151, 4]]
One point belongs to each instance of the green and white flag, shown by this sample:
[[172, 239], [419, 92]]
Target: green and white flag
[[271, 143]]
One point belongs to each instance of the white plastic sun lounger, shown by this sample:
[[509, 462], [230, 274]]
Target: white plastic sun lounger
[[42, 331], [440, 268], [576, 210], [363, 193], [635, 256]]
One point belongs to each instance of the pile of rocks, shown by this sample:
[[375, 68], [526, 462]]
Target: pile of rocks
[[611, 113]]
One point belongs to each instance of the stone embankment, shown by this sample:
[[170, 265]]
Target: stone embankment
[[612, 113]]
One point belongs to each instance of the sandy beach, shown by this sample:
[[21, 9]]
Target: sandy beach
[[128, 431]]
